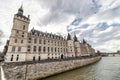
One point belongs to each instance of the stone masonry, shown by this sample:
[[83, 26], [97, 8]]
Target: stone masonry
[[14, 71]]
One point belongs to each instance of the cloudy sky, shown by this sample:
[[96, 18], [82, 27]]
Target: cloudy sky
[[98, 21]]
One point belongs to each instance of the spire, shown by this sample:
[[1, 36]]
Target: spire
[[32, 29], [20, 10], [68, 37], [75, 38], [84, 42]]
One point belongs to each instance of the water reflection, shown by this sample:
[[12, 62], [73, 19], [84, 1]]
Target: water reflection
[[108, 68]]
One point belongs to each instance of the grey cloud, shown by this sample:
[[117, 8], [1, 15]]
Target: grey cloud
[[109, 14], [59, 10], [1, 33]]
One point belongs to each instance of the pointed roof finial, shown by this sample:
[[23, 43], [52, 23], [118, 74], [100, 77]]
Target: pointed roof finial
[[21, 7], [33, 28], [20, 10], [68, 37], [84, 42], [75, 38]]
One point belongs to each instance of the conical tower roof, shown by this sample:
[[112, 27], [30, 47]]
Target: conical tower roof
[[84, 42], [75, 38], [69, 37]]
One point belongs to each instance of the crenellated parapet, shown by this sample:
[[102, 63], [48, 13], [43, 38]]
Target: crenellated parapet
[[22, 17]]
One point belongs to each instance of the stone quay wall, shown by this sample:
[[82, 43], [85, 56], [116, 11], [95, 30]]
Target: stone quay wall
[[39, 70]]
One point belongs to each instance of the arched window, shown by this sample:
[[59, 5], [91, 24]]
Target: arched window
[[12, 58], [17, 58]]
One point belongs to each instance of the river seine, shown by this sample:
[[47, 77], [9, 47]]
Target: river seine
[[108, 68]]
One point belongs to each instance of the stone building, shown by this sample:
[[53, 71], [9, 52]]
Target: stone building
[[36, 45]]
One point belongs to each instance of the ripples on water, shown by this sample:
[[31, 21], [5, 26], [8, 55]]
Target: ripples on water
[[108, 68]]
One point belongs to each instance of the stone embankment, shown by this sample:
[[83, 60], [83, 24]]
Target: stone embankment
[[33, 71]]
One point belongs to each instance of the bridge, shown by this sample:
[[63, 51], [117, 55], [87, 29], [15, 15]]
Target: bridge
[[110, 54]]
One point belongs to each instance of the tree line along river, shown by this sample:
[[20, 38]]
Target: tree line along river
[[108, 68]]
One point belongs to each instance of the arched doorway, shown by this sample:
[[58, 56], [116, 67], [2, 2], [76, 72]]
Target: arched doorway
[[61, 56]]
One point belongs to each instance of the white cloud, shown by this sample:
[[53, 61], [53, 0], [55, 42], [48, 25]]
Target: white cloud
[[99, 19]]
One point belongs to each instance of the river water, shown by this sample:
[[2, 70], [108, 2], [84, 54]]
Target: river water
[[108, 68]]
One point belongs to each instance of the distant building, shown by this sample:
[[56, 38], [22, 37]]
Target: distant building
[[36, 45]]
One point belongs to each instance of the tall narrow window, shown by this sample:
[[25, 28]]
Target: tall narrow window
[[39, 58], [51, 49], [28, 49], [44, 41], [15, 40], [12, 58], [55, 49], [17, 58], [34, 48], [13, 49], [35, 40], [44, 49], [34, 58], [21, 41], [39, 41], [58, 49], [19, 49], [39, 48], [23, 27], [48, 49], [64, 49], [55, 43]]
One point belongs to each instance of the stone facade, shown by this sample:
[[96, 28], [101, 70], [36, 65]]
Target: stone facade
[[35, 45]]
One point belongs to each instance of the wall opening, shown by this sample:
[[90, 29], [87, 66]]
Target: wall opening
[[17, 58], [62, 56], [34, 58], [12, 58], [39, 58]]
